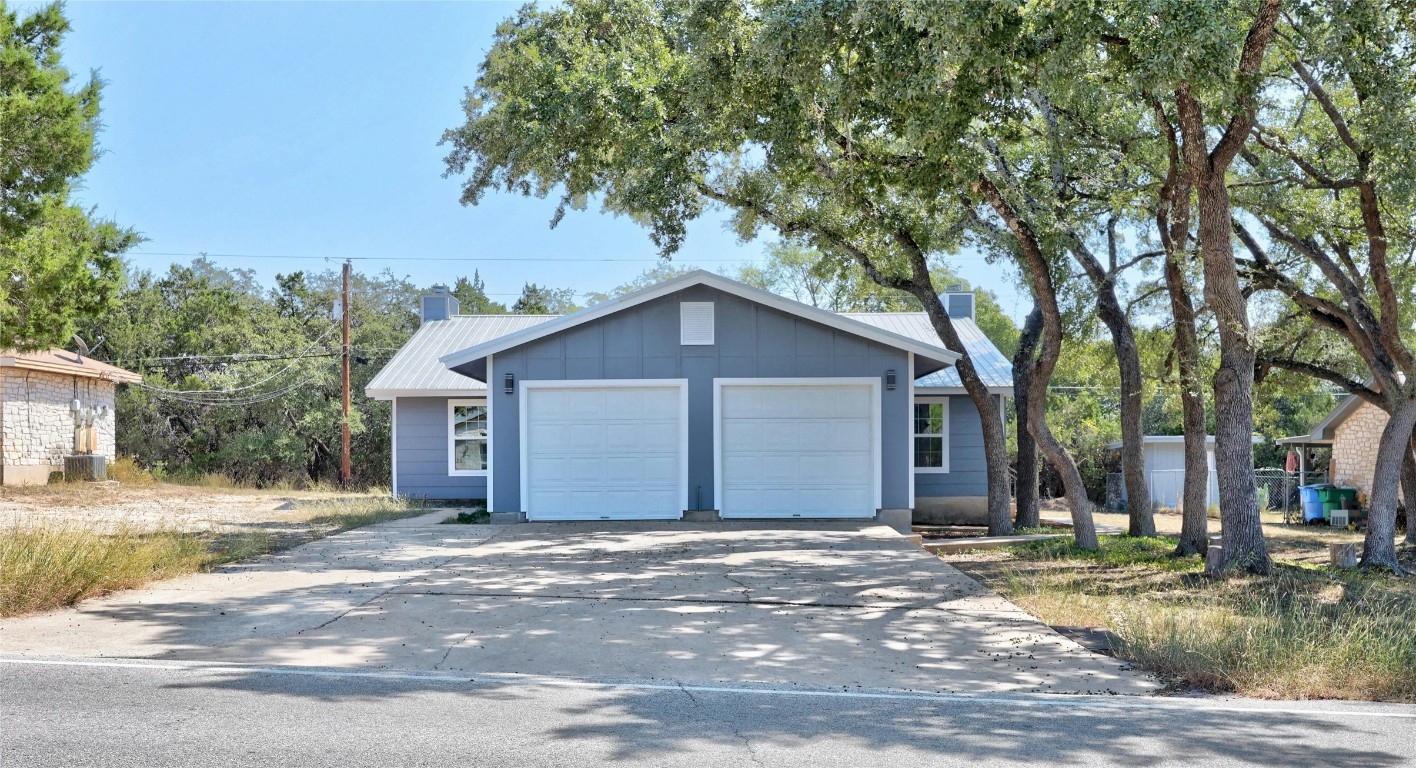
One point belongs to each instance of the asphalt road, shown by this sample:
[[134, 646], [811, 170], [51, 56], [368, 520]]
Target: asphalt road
[[142, 713]]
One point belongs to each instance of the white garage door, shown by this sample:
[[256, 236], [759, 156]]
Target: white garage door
[[794, 450], [603, 452]]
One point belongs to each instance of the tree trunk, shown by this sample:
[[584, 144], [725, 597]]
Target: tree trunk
[[1408, 488], [1379, 548], [1128, 359], [1026, 495], [1244, 546], [995, 437], [1194, 526], [1036, 269], [1234, 381]]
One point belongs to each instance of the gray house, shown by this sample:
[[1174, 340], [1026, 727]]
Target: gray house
[[700, 397]]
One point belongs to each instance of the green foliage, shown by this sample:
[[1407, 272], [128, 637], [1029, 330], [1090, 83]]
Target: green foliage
[[243, 382], [544, 300], [57, 264], [472, 297], [664, 270]]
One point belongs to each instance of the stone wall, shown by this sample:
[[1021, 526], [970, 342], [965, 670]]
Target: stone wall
[[37, 426], [1354, 448]]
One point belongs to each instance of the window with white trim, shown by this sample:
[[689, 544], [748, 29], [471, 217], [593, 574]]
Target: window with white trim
[[931, 434], [467, 437]]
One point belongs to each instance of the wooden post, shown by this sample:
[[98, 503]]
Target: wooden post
[[344, 476], [1342, 555]]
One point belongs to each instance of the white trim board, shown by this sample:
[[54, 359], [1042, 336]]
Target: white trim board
[[491, 438], [524, 387], [909, 425], [390, 394], [876, 449], [688, 280], [393, 444]]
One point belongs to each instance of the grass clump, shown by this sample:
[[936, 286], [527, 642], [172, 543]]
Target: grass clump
[[52, 566], [336, 515], [1305, 631], [473, 517]]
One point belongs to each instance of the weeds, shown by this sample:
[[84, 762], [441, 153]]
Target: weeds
[[1305, 631], [474, 517], [48, 566]]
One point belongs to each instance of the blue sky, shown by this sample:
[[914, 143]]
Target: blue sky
[[311, 130]]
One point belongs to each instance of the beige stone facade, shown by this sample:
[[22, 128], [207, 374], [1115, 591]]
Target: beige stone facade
[[1354, 448], [37, 421]]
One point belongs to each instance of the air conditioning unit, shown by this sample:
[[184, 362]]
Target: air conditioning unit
[[1339, 518], [86, 466]]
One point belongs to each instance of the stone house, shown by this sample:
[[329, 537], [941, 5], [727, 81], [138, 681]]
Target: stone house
[[44, 395], [1354, 431]]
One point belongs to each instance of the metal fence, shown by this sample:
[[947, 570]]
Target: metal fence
[[1278, 490]]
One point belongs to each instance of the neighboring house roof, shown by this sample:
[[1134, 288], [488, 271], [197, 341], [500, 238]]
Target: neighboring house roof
[[68, 364], [416, 370], [1170, 440], [1326, 430], [995, 369], [929, 350]]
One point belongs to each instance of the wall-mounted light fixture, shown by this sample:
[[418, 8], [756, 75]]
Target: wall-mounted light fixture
[[510, 383], [890, 379]]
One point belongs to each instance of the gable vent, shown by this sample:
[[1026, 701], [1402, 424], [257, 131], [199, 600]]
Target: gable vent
[[695, 322]]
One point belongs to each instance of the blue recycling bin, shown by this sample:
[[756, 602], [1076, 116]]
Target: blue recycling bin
[[1312, 501]]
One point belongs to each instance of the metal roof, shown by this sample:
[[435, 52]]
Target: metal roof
[[993, 367], [66, 363], [416, 370]]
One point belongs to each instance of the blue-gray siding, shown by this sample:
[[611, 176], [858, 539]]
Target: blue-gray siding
[[420, 455], [752, 341], [967, 475]]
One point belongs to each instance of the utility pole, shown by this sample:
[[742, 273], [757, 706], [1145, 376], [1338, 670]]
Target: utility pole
[[345, 350]]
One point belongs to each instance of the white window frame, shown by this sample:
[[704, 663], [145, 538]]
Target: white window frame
[[943, 433], [452, 470]]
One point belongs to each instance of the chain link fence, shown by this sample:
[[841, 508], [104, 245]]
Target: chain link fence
[[1277, 490]]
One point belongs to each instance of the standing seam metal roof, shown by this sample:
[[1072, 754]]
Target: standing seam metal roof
[[416, 367], [993, 367]]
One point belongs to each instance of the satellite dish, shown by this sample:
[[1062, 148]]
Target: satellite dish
[[83, 347]]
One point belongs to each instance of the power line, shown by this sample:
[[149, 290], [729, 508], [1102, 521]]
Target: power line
[[418, 258], [229, 390]]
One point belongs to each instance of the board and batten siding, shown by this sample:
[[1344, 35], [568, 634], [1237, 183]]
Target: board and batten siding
[[643, 342], [420, 455], [968, 473]]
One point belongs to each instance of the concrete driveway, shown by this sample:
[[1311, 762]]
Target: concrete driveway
[[826, 606]]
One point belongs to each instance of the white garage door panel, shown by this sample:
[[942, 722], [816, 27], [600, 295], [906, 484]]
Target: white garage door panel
[[792, 450], [611, 453]]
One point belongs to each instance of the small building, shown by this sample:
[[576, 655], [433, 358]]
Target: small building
[[1165, 469], [697, 398], [54, 404], [1354, 432]]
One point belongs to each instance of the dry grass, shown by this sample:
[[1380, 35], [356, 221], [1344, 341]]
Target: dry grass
[[58, 563], [1306, 631]]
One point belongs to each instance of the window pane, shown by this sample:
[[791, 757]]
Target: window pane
[[929, 451], [929, 418], [470, 454], [469, 421]]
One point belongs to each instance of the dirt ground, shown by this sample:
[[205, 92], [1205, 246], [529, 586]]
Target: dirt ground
[[163, 507]]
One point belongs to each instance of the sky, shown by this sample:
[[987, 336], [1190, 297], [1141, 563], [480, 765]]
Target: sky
[[286, 136]]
